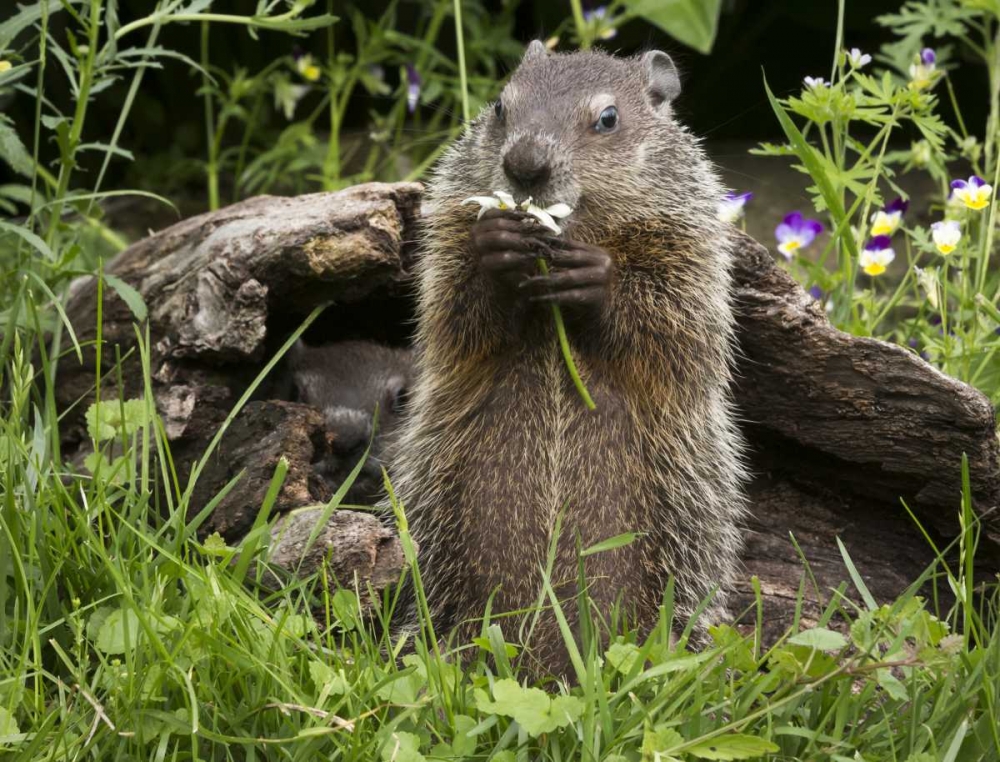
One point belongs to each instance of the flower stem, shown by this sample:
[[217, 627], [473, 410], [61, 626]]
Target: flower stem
[[463, 76], [564, 345]]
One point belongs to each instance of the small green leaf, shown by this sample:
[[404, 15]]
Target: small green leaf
[[12, 150], [30, 238], [111, 637], [735, 746], [891, 685], [463, 744], [107, 419], [129, 295], [8, 726], [96, 461], [98, 425], [622, 656], [693, 22], [820, 638], [326, 679], [402, 747], [214, 545], [656, 740], [532, 708], [618, 541], [345, 607]]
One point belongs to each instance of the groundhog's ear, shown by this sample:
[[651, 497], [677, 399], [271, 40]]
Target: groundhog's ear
[[662, 82], [536, 49]]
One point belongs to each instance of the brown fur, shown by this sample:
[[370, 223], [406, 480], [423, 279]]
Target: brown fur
[[499, 441]]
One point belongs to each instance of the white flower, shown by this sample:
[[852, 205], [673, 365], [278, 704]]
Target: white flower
[[499, 200], [857, 59], [946, 235], [928, 281], [503, 200], [546, 215], [814, 83]]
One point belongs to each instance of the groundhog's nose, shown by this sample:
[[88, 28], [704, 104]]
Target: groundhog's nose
[[526, 164]]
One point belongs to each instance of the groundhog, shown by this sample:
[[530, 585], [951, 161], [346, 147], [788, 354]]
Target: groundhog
[[347, 381], [499, 441]]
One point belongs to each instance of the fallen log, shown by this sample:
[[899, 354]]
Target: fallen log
[[841, 429]]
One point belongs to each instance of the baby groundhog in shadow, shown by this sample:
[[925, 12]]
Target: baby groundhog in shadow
[[499, 441], [346, 381]]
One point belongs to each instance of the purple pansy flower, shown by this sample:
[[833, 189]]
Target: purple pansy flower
[[816, 293], [974, 192], [886, 221], [413, 83], [877, 255], [795, 232], [731, 207]]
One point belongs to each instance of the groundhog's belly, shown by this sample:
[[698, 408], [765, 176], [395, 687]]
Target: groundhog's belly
[[532, 450]]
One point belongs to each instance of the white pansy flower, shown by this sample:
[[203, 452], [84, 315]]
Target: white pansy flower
[[946, 235]]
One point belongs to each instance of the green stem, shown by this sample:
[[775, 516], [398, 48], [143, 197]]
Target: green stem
[[580, 24], [564, 345], [79, 116], [331, 167], [460, 42], [212, 167]]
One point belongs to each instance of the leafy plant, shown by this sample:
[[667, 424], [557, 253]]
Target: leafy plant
[[944, 304]]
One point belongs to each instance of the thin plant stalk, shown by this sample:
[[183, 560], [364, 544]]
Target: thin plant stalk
[[460, 43], [564, 346]]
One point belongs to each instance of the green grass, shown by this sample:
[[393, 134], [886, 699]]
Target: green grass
[[124, 637]]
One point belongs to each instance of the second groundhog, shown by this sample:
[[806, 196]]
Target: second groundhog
[[350, 382], [499, 441]]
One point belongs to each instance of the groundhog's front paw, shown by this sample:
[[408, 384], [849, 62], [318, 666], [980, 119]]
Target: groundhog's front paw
[[580, 274], [508, 246]]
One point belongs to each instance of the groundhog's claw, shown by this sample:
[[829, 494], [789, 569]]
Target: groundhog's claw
[[508, 248], [580, 275]]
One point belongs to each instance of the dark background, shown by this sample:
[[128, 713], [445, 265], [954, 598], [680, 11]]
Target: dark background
[[723, 97]]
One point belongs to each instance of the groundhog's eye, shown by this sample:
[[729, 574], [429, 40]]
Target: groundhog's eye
[[498, 109], [608, 120]]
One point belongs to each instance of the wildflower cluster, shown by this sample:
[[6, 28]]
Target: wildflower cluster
[[944, 302]]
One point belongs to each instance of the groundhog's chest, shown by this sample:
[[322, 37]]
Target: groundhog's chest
[[533, 445]]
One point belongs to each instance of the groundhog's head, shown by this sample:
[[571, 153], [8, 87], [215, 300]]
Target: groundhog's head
[[587, 129]]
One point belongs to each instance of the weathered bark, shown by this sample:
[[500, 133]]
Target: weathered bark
[[358, 550], [223, 290], [841, 428]]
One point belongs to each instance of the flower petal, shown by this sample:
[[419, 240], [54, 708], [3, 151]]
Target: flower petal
[[544, 217], [506, 199], [559, 210]]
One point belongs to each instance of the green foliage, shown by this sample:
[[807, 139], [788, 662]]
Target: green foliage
[[693, 22], [944, 303]]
